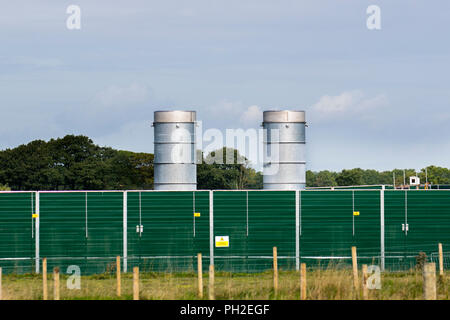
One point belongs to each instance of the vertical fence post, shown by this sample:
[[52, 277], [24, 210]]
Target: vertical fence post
[[200, 275], [297, 229], [56, 283], [211, 283], [303, 281], [211, 227], [118, 276], [125, 233], [1, 289], [382, 233], [429, 281], [37, 231], [441, 261], [44, 279], [364, 282], [355, 268], [136, 283], [275, 270]]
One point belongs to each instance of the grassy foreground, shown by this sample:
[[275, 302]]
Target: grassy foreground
[[328, 284]]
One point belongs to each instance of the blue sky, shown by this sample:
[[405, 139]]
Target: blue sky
[[374, 99]]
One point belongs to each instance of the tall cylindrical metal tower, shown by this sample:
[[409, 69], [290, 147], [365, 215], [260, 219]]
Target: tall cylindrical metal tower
[[285, 156], [175, 154]]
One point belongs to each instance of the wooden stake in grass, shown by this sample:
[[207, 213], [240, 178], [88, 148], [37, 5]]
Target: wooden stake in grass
[[118, 275], [211, 282], [364, 282], [303, 281], [56, 283], [200, 275], [355, 268], [429, 281], [441, 261], [136, 283], [44, 279], [275, 270]]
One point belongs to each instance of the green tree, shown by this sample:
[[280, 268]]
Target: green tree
[[236, 174]]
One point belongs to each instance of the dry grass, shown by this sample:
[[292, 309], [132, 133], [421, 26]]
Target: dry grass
[[329, 284]]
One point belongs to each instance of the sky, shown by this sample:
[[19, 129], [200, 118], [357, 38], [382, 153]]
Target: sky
[[377, 99]]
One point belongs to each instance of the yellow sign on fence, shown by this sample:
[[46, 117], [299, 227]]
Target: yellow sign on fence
[[356, 213], [222, 241], [196, 214]]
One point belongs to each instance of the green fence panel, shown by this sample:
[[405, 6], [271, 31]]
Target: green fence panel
[[82, 229], [171, 235], [17, 249], [395, 236], [429, 223], [329, 226], [271, 223], [230, 219]]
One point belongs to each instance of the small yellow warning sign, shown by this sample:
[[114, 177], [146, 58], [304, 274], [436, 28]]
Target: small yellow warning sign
[[356, 213], [222, 241], [196, 214], [35, 215]]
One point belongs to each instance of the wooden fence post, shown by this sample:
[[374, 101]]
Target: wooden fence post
[[56, 283], [118, 276], [136, 283], [364, 282], [303, 281], [355, 268], [429, 281], [1, 289], [275, 270], [44, 279], [200, 275], [211, 282], [441, 261]]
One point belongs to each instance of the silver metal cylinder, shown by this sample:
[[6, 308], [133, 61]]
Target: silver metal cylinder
[[175, 154], [284, 150]]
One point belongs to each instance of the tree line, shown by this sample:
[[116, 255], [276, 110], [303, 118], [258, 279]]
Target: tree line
[[76, 163]]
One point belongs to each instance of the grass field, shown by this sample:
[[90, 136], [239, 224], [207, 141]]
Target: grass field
[[330, 284]]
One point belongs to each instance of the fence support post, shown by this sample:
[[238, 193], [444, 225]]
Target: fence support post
[[136, 283], [364, 282], [125, 232], [211, 283], [200, 275], [297, 229], [37, 232], [382, 248], [303, 281], [56, 283], [44, 279], [1, 289], [429, 281], [118, 276], [355, 268], [275, 270], [441, 261]]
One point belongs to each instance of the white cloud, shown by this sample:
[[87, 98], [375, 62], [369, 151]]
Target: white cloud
[[349, 103], [232, 114], [252, 115]]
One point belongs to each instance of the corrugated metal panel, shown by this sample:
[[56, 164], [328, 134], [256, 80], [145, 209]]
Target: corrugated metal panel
[[16, 232], [329, 227], [81, 228], [271, 223], [167, 242]]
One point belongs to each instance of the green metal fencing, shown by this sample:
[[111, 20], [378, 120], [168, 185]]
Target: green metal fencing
[[164, 231]]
